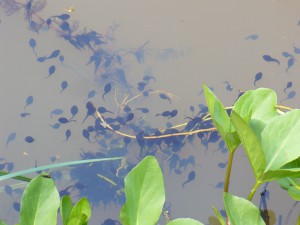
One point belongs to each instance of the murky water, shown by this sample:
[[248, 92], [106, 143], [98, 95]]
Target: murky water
[[179, 45]]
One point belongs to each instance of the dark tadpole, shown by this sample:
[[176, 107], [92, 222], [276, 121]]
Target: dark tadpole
[[164, 114], [64, 120], [290, 95], [165, 97], [29, 101], [288, 85], [68, 134], [54, 54], [51, 71], [90, 110], [258, 77], [290, 63], [11, 137], [74, 111], [268, 58], [191, 177], [63, 86], [104, 110], [143, 110], [29, 139], [107, 89], [32, 44]]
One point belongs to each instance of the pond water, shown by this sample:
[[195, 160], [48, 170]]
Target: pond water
[[137, 59]]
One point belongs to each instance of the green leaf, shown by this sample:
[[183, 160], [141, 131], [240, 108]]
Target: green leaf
[[289, 170], [184, 221], [281, 173], [2, 222], [257, 107], [80, 220], [241, 211], [293, 164], [260, 103], [80, 212], [40, 202], [65, 208], [294, 193], [219, 216], [221, 119], [145, 194], [17, 175], [284, 183], [280, 140], [292, 185], [251, 144]]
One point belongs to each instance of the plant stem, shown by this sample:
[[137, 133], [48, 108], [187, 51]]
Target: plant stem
[[228, 171], [252, 192]]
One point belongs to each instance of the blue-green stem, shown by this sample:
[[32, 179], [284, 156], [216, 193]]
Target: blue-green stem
[[21, 178], [19, 174]]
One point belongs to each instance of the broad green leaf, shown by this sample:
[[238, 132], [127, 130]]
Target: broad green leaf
[[298, 221], [184, 221], [257, 126], [40, 202], [241, 211], [65, 208], [2, 222], [221, 119], [260, 103], [285, 173], [281, 173], [219, 216], [81, 211], [257, 107], [145, 194], [280, 140], [251, 144]]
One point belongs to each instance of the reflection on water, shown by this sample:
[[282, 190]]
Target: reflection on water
[[86, 94]]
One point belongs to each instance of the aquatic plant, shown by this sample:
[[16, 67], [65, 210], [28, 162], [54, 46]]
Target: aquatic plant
[[254, 122], [40, 203], [269, 137], [145, 196], [145, 199], [120, 125]]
